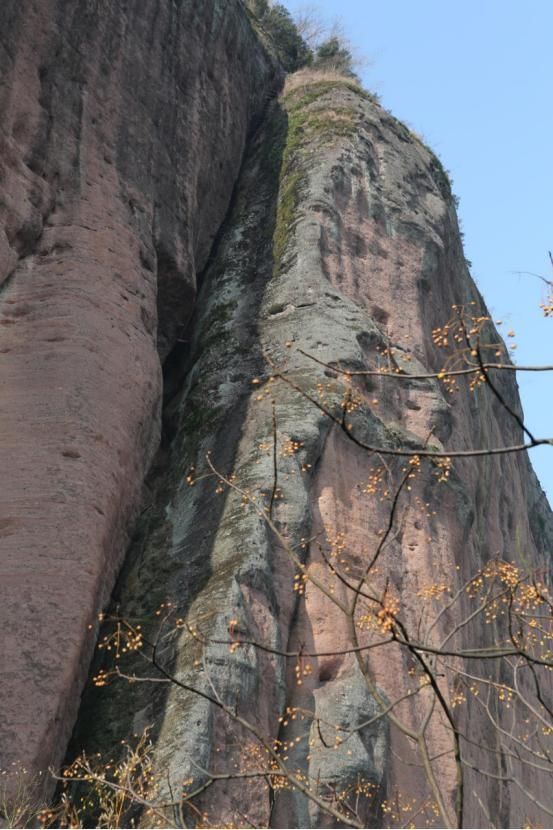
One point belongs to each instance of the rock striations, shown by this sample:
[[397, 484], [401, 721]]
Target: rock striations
[[122, 133], [162, 208]]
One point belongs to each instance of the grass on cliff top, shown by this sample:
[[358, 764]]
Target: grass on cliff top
[[329, 78]]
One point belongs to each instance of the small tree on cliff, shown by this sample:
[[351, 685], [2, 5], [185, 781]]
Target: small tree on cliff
[[311, 26], [302, 40], [277, 21], [334, 55]]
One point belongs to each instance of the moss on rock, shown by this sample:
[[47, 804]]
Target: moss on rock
[[309, 127]]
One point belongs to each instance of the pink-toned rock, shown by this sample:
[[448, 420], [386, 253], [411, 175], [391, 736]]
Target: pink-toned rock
[[380, 208], [122, 132], [121, 140], [348, 250]]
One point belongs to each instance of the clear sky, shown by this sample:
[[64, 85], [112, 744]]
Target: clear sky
[[473, 78]]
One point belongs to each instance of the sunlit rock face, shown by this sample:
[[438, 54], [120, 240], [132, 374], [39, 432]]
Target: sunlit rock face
[[341, 247], [122, 132], [126, 132]]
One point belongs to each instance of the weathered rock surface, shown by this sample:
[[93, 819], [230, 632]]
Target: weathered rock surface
[[122, 138], [122, 132], [342, 243]]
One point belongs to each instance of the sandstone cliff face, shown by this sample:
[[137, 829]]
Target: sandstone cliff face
[[342, 243], [122, 132], [122, 142]]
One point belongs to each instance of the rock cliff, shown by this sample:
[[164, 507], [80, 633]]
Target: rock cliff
[[122, 134], [162, 207]]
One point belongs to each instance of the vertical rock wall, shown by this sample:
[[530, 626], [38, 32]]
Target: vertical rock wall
[[121, 135], [123, 132], [342, 243]]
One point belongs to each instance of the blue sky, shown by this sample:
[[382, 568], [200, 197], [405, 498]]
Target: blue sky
[[473, 78]]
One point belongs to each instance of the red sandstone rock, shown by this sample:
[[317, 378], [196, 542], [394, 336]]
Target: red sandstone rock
[[368, 258], [121, 136]]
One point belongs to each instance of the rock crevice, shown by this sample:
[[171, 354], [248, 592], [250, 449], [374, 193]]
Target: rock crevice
[[161, 210], [332, 255], [122, 134]]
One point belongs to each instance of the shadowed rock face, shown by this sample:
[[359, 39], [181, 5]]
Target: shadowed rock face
[[122, 139], [342, 242], [122, 131]]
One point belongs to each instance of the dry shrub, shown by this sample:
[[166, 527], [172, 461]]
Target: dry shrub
[[307, 76], [21, 800]]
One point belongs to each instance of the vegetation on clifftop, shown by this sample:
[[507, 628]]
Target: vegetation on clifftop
[[291, 43]]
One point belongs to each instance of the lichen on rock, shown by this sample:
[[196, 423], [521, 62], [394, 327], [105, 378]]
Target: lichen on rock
[[288, 281]]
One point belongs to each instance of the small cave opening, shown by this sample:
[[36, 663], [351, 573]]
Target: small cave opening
[[328, 669]]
